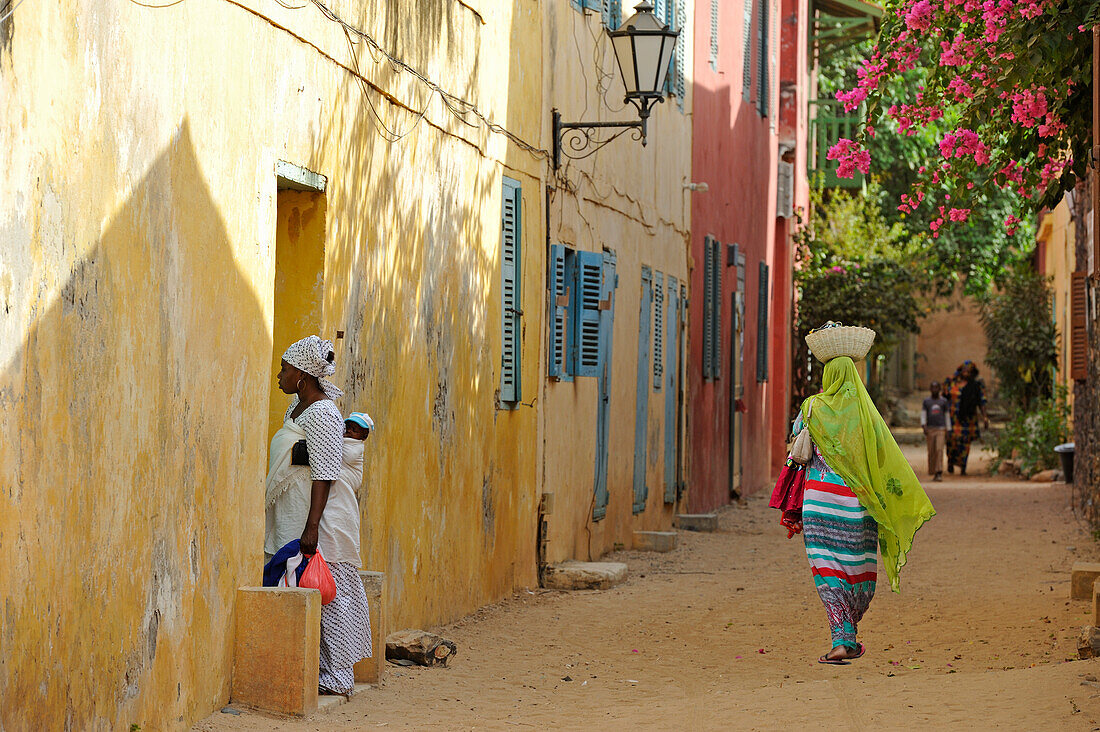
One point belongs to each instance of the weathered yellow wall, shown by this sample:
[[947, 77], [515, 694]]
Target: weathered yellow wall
[[630, 199], [138, 149], [299, 282], [1056, 230], [948, 336]]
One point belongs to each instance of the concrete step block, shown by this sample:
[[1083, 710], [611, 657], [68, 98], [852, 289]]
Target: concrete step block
[[574, 575], [370, 670], [697, 521], [328, 702], [1082, 577], [655, 541], [277, 671], [1096, 602]]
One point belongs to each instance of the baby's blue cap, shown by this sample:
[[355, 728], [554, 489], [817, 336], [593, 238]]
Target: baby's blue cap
[[362, 419]]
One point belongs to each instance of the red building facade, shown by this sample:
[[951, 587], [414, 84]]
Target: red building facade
[[749, 128]]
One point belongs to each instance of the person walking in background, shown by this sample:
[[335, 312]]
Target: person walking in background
[[966, 409], [935, 419], [951, 387]]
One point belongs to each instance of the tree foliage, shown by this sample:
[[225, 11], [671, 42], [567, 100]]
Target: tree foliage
[[1022, 339], [1005, 95]]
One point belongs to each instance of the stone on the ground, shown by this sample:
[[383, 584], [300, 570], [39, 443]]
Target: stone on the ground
[[277, 671], [426, 649], [697, 521], [655, 541], [369, 670], [1008, 467], [1082, 577], [1044, 476], [574, 575], [1088, 642]]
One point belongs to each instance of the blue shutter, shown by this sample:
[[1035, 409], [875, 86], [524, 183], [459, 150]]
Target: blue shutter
[[762, 326], [611, 12], [510, 268], [672, 389], [658, 330], [587, 284], [679, 82], [641, 417], [603, 380], [708, 309], [559, 290]]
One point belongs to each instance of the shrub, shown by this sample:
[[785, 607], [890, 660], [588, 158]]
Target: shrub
[[1030, 436]]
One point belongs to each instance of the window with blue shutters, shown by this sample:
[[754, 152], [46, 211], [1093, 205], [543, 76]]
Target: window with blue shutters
[[708, 308], [762, 326], [746, 41], [658, 330], [560, 289], [641, 403], [586, 306], [714, 34], [611, 11], [510, 276]]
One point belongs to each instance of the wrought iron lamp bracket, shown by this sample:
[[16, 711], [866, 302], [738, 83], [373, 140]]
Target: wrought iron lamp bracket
[[578, 140]]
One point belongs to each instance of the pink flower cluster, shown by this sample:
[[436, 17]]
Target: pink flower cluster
[[964, 143], [850, 157]]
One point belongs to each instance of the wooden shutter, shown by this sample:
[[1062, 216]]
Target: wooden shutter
[[641, 414], [559, 290], [658, 330], [603, 412], [511, 312], [716, 305], [612, 13], [708, 308], [1079, 345], [746, 38], [672, 385], [585, 341], [679, 87], [714, 34], [762, 326], [762, 80]]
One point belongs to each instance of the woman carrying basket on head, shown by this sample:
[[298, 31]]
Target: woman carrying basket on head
[[860, 492]]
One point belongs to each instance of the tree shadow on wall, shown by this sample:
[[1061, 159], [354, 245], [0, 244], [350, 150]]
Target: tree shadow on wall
[[135, 467]]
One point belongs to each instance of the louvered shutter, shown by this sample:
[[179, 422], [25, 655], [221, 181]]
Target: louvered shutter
[[612, 12], [641, 397], [763, 39], [716, 305], [658, 330], [679, 65], [559, 309], [510, 266], [1079, 343], [708, 308], [586, 313], [714, 34], [762, 326], [746, 67]]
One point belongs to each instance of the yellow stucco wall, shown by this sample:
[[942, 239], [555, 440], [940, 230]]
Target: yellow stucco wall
[[1056, 231], [629, 199], [137, 280]]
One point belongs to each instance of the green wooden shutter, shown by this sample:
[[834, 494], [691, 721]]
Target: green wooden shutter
[[746, 65], [510, 275], [762, 326], [658, 330], [764, 37], [585, 341], [708, 308], [559, 290], [716, 307]]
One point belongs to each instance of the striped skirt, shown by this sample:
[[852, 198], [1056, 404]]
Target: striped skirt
[[842, 544]]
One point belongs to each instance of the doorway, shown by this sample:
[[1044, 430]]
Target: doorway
[[299, 270]]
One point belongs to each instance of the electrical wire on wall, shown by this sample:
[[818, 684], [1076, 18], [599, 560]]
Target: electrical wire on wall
[[10, 8]]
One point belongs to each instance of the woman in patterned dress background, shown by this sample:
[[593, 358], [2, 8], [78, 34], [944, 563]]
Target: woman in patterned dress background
[[296, 501]]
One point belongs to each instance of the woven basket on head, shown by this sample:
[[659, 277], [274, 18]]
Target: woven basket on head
[[842, 340]]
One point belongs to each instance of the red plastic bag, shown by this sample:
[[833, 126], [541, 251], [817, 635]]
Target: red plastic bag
[[789, 489], [318, 577]]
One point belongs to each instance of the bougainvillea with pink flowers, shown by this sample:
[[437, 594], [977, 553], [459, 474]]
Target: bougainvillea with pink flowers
[[1014, 78]]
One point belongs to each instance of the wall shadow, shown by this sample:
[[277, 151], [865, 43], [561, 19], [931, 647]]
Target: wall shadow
[[131, 507]]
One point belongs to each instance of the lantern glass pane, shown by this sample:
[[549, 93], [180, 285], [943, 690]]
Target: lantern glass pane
[[624, 54], [647, 50]]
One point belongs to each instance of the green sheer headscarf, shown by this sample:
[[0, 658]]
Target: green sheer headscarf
[[856, 443]]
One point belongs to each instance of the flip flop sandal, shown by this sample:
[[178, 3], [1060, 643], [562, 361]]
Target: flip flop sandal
[[833, 661], [860, 652]]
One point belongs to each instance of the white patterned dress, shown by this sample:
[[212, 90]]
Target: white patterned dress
[[345, 622]]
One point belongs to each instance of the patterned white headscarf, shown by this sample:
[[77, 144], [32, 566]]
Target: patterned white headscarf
[[311, 355]]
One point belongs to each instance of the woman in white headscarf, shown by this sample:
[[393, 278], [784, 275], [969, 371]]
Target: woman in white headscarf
[[296, 500]]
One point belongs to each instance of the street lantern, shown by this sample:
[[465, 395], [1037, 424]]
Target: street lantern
[[643, 48]]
